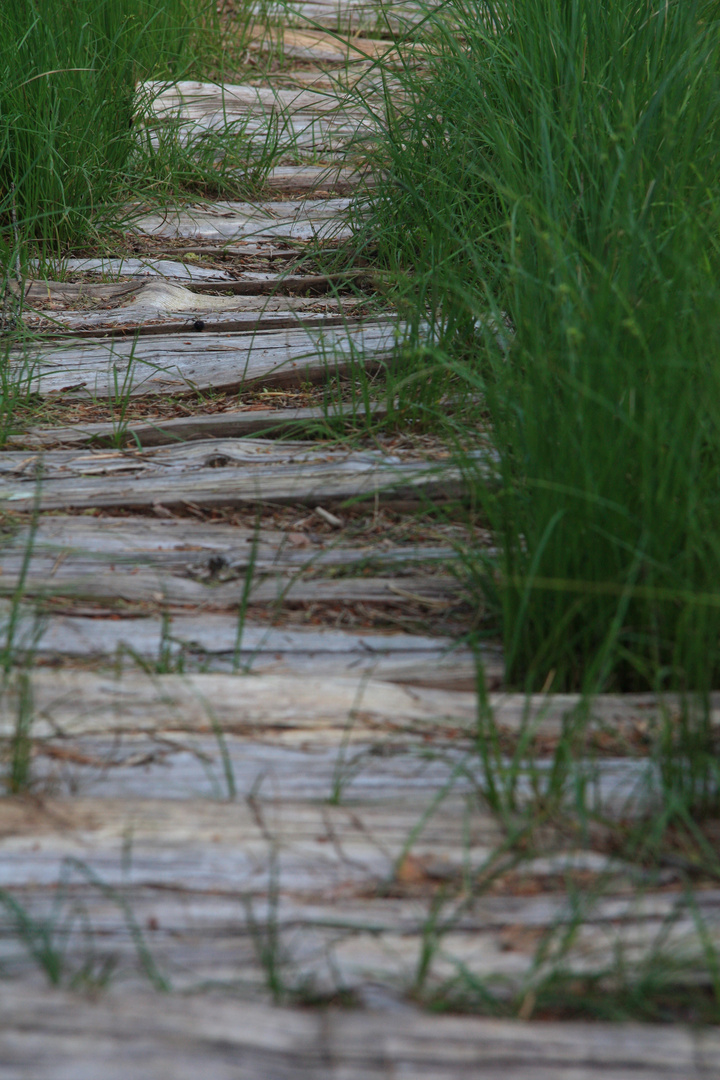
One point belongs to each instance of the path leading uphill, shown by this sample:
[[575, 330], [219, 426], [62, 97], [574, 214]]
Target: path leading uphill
[[250, 728]]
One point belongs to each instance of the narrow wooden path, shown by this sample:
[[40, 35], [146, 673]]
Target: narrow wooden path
[[237, 671]]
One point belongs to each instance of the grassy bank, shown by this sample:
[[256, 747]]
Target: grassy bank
[[69, 107], [551, 182]]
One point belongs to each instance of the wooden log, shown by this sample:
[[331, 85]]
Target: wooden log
[[183, 544], [241, 314], [345, 914], [202, 279], [113, 586], [217, 642], [310, 180], [52, 1033], [79, 702], [162, 364], [318, 46], [290, 220], [192, 100], [345, 15], [216, 472], [224, 425], [69, 704]]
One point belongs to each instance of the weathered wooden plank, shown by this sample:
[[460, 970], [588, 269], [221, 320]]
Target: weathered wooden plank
[[304, 221], [128, 585], [185, 544], [52, 1034], [225, 425], [217, 472], [367, 762], [202, 279], [217, 642], [239, 314], [319, 46], [345, 15], [144, 267], [278, 707], [288, 706], [315, 179], [344, 915], [185, 563], [193, 100], [162, 364]]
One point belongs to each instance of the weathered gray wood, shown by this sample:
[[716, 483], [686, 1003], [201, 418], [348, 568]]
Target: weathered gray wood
[[184, 564], [278, 707], [319, 46], [144, 267], [202, 279], [224, 425], [345, 15], [291, 220], [240, 314], [214, 642], [338, 923], [110, 585], [161, 364], [141, 307], [193, 100], [55, 1035], [288, 706], [315, 179], [216, 472], [183, 543]]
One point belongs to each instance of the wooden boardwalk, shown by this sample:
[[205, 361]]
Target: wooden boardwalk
[[236, 674]]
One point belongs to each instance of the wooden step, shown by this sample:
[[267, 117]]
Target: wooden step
[[49, 1034], [220, 425], [292, 220], [218, 472], [215, 642], [198, 359]]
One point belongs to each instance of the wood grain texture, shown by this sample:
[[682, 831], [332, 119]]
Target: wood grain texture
[[237, 314], [318, 46], [113, 586], [344, 914], [212, 642], [222, 425], [302, 221], [186, 565], [345, 15], [161, 364], [304, 121], [76, 702], [201, 279], [61, 1036], [70, 703], [217, 472]]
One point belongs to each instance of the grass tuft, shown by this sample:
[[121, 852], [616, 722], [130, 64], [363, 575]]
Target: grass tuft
[[549, 177]]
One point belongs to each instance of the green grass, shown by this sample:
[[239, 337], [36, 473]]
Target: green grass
[[550, 178], [68, 104]]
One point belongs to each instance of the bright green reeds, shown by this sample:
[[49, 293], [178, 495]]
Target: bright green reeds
[[551, 178], [68, 75]]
